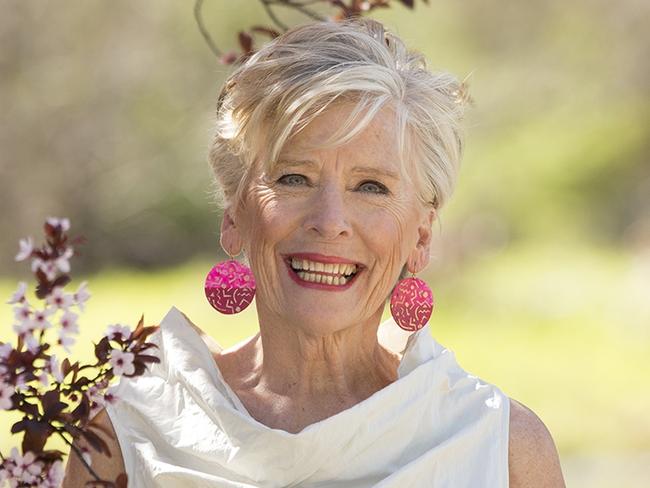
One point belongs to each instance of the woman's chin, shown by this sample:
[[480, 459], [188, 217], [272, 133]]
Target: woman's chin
[[319, 315]]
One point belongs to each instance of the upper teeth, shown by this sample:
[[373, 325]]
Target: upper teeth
[[338, 268]]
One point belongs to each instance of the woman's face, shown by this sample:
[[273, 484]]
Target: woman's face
[[328, 231]]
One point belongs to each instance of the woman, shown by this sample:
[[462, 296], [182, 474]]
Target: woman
[[335, 149]]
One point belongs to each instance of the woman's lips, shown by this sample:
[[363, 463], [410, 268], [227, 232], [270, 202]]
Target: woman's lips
[[322, 258], [319, 286]]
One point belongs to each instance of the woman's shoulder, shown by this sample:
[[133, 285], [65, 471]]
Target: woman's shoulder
[[107, 467], [532, 456]]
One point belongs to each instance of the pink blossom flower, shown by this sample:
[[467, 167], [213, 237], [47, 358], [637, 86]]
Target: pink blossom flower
[[69, 323], [55, 475], [21, 383], [59, 299], [23, 315], [82, 295], [66, 341], [6, 391], [25, 468], [118, 331], [98, 398], [40, 318], [62, 261], [19, 294], [26, 248], [54, 368], [110, 397], [24, 328], [56, 222], [32, 343], [5, 350], [22, 312], [44, 379], [122, 362], [47, 267]]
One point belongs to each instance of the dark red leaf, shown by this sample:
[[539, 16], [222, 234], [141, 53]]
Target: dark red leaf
[[75, 371], [18, 426], [245, 41], [66, 417], [146, 332], [100, 484], [121, 480], [408, 3], [50, 398], [62, 280], [95, 441], [52, 406], [55, 410], [50, 230], [146, 358], [81, 382], [51, 455], [260, 29], [29, 409], [136, 347], [229, 58], [73, 430], [140, 368], [36, 434], [102, 349], [104, 431], [83, 409], [65, 367]]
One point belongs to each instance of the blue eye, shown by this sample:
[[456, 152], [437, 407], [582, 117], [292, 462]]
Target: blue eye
[[373, 187], [292, 180]]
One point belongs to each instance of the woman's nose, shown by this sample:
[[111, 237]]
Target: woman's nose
[[328, 214]]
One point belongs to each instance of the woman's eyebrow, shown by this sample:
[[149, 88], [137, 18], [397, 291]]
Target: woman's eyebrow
[[373, 170], [293, 163], [367, 170]]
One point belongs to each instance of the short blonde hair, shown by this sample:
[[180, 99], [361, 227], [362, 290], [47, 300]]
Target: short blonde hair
[[287, 83]]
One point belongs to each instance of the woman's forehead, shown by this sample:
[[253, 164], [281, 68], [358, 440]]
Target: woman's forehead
[[375, 148]]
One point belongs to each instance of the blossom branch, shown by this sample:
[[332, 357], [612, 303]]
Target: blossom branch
[[59, 398], [339, 11]]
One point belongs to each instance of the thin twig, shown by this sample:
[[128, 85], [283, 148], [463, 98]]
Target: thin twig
[[80, 455], [306, 2], [204, 32], [271, 14], [304, 10]]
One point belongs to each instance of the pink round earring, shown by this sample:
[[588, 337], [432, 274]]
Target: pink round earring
[[411, 303], [230, 286]]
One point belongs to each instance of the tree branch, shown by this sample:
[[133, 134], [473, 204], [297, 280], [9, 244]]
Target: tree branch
[[271, 14], [204, 32], [80, 456]]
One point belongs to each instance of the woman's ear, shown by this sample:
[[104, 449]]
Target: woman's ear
[[419, 257], [231, 239]]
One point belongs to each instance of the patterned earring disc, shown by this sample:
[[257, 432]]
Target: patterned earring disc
[[230, 287], [411, 304]]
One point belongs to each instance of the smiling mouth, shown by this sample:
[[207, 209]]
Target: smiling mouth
[[320, 273]]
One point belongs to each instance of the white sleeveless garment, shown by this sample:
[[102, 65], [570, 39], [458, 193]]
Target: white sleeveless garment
[[180, 425]]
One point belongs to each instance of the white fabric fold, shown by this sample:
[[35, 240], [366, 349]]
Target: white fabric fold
[[180, 425]]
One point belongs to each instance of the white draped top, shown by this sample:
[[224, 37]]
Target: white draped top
[[180, 425]]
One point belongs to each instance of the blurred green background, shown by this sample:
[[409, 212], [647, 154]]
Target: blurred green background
[[541, 269]]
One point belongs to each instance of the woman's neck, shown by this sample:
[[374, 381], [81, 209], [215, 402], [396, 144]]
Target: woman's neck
[[289, 378]]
